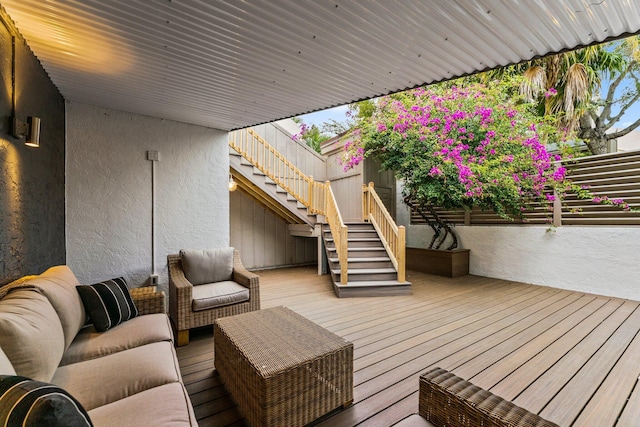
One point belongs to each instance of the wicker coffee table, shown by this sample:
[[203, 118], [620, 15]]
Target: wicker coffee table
[[281, 368]]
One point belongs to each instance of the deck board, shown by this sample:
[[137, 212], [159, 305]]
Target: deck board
[[569, 356]]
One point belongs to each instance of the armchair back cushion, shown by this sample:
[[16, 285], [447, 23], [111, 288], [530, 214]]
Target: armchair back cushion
[[207, 266]]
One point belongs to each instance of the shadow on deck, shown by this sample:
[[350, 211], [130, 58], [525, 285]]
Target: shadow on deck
[[568, 356]]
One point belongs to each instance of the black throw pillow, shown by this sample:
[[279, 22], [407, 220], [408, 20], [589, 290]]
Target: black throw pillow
[[108, 303], [29, 403]]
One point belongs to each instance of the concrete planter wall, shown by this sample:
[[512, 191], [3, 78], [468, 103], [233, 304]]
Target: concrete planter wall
[[593, 259]]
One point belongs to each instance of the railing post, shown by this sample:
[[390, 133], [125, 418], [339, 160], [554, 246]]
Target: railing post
[[365, 194], [369, 199], [402, 242], [309, 201], [327, 184], [344, 255]]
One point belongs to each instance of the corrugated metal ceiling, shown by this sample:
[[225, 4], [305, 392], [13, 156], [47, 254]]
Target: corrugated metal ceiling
[[231, 64]]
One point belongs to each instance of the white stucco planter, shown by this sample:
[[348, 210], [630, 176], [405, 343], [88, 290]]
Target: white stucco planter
[[599, 260]]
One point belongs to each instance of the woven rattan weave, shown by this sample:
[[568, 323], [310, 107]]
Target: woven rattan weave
[[148, 300], [281, 368], [449, 401]]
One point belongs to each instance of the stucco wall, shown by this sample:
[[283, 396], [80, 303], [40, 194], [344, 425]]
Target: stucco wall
[[109, 192], [599, 260], [31, 179]]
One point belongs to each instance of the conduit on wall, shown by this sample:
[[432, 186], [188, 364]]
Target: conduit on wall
[[154, 157]]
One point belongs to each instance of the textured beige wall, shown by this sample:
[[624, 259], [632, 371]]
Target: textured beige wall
[[109, 192]]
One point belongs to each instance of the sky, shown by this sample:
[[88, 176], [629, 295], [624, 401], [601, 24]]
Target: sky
[[319, 117]]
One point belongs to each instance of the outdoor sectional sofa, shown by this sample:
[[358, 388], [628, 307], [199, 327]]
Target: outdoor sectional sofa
[[125, 376]]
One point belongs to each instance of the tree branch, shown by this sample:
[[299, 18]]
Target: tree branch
[[613, 120], [624, 131], [606, 112]]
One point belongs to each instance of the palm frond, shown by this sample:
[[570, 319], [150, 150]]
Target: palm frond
[[577, 87], [535, 80], [553, 66]]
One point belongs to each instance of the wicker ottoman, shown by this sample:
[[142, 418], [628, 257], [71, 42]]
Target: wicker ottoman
[[281, 368]]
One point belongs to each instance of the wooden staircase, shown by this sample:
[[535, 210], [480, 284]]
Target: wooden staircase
[[268, 193], [365, 259], [369, 267]]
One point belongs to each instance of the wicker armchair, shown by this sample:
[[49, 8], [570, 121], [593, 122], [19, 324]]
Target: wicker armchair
[[185, 314], [448, 400]]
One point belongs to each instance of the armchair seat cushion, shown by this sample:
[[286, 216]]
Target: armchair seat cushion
[[212, 295]]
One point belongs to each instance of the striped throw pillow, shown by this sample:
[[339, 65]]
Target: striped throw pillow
[[27, 403], [108, 303]]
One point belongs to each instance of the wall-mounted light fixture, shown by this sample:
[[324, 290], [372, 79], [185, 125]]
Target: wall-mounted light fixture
[[232, 184], [29, 130]]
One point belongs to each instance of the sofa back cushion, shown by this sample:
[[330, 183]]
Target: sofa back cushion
[[6, 368], [59, 285], [207, 266], [31, 334]]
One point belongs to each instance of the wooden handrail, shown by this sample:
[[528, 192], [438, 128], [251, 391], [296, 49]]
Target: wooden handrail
[[339, 231], [274, 165], [393, 237], [316, 196]]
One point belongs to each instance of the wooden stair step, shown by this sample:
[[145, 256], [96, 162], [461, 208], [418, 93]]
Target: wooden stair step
[[372, 288], [365, 249], [365, 283], [366, 259], [350, 231], [367, 271], [356, 239]]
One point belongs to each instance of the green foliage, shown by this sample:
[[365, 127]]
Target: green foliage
[[459, 147], [311, 135]]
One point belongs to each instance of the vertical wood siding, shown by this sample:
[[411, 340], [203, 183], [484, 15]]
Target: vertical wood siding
[[263, 238]]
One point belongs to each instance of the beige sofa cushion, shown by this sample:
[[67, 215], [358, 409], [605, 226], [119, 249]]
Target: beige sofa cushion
[[207, 266], [104, 380], [218, 294], [166, 405], [6, 368], [31, 334], [136, 332], [59, 285]]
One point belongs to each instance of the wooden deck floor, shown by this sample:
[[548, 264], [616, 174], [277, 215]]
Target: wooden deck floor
[[571, 357]]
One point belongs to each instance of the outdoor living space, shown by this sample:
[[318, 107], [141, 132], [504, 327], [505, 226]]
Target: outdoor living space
[[570, 357], [132, 133]]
